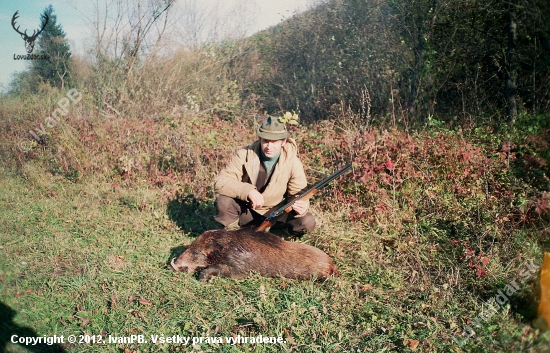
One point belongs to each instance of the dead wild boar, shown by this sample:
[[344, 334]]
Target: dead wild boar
[[236, 253]]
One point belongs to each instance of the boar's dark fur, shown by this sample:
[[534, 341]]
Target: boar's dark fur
[[237, 253]]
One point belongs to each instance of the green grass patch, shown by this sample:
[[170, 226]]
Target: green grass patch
[[88, 258]]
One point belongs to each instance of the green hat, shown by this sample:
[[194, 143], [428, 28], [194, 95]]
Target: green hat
[[272, 129]]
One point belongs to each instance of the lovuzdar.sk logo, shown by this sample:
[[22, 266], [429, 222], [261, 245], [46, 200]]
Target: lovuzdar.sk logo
[[29, 40]]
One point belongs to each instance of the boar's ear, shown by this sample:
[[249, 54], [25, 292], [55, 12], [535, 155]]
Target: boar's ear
[[222, 237], [214, 252]]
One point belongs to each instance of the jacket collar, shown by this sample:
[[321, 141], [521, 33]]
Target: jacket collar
[[252, 163]]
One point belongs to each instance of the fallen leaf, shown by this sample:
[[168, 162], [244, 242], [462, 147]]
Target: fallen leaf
[[288, 337], [366, 287], [145, 302], [412, 344], [262, 292], [290, 340]]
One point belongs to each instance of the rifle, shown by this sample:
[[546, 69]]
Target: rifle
[[272, 218]]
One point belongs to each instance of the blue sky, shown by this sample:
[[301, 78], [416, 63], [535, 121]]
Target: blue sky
[[75, 16], [29, 18]]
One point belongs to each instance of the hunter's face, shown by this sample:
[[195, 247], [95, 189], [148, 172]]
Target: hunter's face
[[272, 148]]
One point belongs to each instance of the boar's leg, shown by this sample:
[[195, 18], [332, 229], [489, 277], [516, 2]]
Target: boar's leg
[[215, 270]]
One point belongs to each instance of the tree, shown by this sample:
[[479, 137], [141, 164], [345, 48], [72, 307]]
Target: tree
[[52, 43], [511, 70]]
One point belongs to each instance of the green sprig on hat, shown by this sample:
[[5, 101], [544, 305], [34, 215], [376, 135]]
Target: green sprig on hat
[[289, 118]]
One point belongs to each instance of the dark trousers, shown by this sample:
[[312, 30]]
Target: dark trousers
[[230, 209]]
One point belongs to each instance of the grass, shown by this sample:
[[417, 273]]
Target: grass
[[85, 258], [90, 219]]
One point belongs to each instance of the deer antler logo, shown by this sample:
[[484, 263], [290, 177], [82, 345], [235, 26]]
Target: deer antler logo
[[29, 40]]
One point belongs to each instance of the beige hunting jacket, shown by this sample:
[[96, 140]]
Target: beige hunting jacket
[[238, 178]]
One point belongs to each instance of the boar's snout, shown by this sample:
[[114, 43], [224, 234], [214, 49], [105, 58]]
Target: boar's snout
[[174, 267]]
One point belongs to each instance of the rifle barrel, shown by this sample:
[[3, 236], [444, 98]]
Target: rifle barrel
[[317, 186], [330, 178], [272, 218]]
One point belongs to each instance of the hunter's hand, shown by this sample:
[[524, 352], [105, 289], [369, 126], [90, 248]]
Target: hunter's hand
[[256, 198], [300, 207]]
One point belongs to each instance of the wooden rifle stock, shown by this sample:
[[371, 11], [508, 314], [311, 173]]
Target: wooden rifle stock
[[272, 218]]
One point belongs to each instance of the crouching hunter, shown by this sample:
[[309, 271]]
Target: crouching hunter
[[258, 178]]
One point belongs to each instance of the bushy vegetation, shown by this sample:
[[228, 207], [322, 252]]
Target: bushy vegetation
[[456, 60], [437, 216]]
